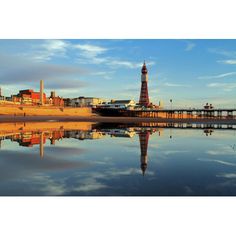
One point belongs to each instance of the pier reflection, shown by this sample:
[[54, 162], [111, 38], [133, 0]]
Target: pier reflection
[[28, 135]]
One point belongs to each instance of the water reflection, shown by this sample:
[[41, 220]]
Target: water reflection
[[59, 165], [143, 139], [31, 138]]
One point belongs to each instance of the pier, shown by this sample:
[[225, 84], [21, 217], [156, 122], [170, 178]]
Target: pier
[[181, 113]]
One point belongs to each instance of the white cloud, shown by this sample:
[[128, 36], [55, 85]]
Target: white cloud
[[91, 50], [91, 54], [102, 73], [227, 175], [171, 152], [224, 86], [88, 54], [107, 75], [218, 161], [55, 45], [219, 152], [220, 76], [230, 54], [222, 52], [129, 171], [47, 185], [228, 62], [176, 85], [90, 184], [93, 182], [189, 46], [128, 64], [225, 163], [49, 49], [222, 150], [59, 48]]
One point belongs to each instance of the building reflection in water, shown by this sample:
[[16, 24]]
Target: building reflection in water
[[30, 139], [144, 130]]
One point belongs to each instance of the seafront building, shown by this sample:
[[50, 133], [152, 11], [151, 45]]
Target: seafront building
[[56, 100], [33, 98], [85, 102], [120, 104], [29, 97]]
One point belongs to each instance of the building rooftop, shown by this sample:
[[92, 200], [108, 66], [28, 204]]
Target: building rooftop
[[121, 101], [26, 91], [81, 97]]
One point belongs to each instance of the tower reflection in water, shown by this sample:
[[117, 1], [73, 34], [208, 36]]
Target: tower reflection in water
[[143, 139]]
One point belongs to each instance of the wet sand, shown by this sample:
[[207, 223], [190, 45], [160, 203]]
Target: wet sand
[[103, 119]]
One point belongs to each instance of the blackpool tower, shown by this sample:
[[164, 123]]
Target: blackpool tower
[[144, 98]]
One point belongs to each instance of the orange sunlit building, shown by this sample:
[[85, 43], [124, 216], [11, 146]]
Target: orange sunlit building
[[28, 96]]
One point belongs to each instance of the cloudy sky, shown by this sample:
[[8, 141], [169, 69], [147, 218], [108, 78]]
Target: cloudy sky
[[190, 72]]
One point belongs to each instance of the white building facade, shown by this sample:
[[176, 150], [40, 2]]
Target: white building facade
[[86, 102], [120, 104]]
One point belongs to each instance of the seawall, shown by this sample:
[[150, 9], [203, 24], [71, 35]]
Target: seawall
[[44, 111]]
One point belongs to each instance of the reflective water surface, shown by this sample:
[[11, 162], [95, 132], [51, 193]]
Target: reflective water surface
[[55, 158]]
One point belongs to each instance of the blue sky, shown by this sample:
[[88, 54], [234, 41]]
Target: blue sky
[[190, 72]]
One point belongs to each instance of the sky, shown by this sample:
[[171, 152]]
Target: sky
[[190, 72]]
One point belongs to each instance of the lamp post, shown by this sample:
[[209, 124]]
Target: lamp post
[[234, 112], [171, 108]]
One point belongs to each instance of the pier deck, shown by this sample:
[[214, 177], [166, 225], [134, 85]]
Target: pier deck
[[171, 113]]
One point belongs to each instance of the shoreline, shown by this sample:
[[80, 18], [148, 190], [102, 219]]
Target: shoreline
[[105, 119]]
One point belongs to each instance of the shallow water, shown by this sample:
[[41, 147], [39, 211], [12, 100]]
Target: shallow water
[[118, 161]]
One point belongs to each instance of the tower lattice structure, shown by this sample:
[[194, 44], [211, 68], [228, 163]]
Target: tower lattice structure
[[144, 98]]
